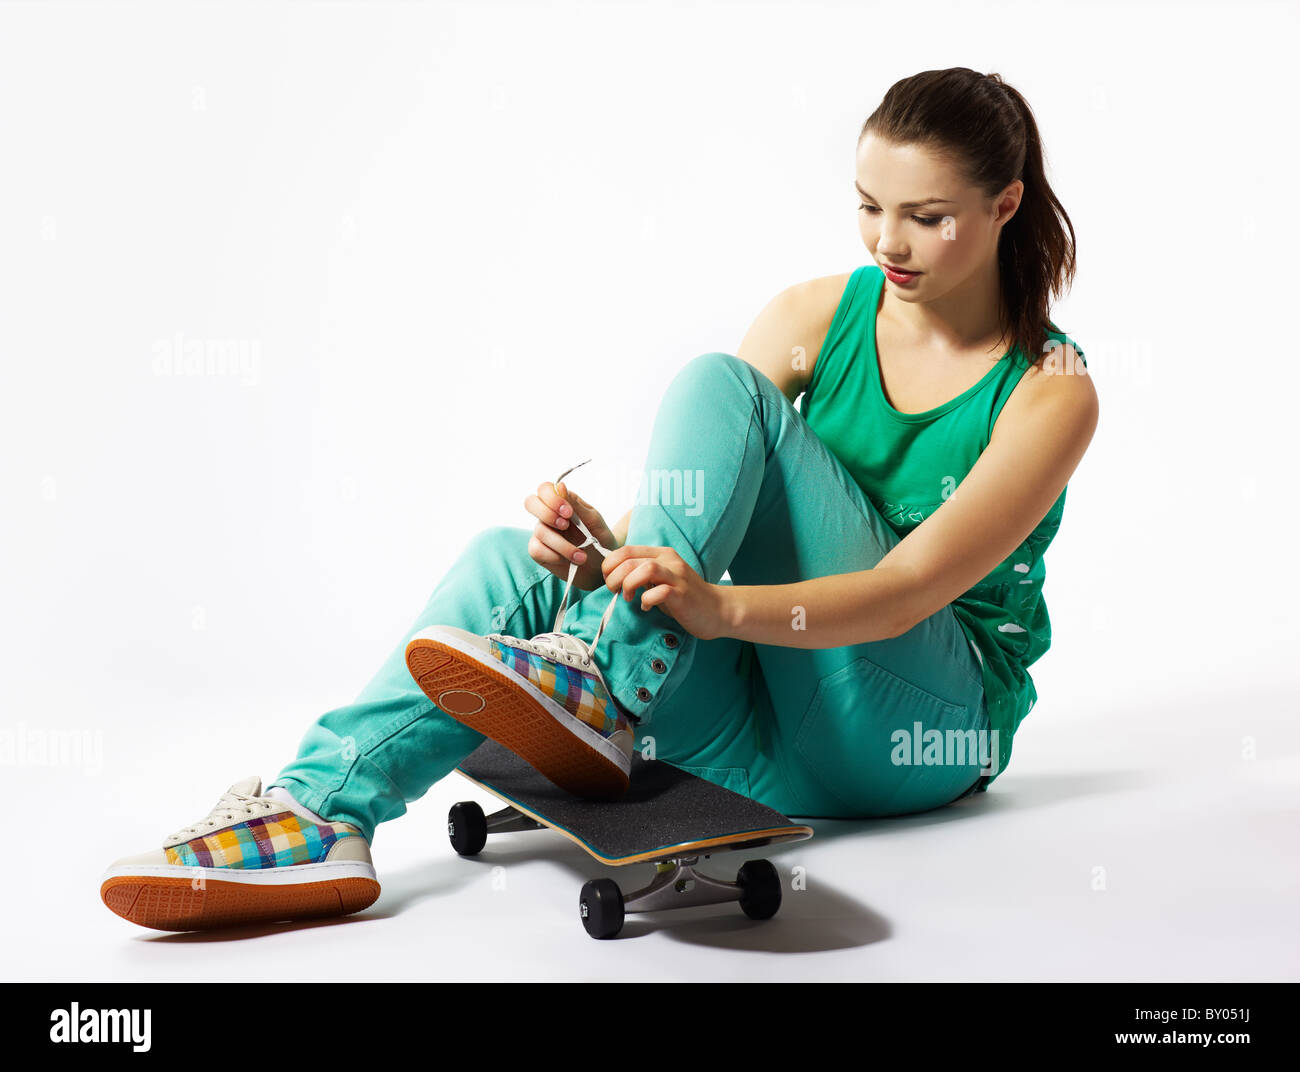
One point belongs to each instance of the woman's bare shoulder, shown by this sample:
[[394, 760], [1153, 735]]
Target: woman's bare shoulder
[[785, 339]]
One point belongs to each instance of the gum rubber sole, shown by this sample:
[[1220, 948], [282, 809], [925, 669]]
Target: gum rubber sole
[[490, 703], [173, 904]]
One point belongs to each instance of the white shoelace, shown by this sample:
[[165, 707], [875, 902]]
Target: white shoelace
[[558, 645], [231, 806]]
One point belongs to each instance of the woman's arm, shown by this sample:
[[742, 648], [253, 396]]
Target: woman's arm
[[825, 612], [1036, 445]]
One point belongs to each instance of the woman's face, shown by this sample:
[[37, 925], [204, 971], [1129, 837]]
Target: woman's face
[[946, 241]]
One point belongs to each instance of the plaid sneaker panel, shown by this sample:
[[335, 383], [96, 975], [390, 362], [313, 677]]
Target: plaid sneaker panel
[[266, 841], [581, 694]]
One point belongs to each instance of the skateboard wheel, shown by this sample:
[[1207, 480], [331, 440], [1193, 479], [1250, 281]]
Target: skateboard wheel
[[601, 906], [467, 828], [760, 889]]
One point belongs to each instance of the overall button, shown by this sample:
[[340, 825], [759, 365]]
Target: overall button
[[643, 693], [670, 640], [658, 666]]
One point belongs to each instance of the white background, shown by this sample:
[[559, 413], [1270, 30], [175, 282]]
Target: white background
[[469, 245]]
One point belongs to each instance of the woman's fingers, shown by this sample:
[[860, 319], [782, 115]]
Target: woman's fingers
[[552, 551], [559, 543], [621, 560], [635, 573], [556, 499], [548, 507], [555, 542]]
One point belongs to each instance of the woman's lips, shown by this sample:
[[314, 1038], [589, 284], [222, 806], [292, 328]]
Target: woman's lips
[[899, 278]]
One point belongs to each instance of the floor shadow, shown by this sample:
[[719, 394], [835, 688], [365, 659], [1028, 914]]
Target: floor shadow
[[808, 921], [255, 930], [1024, 793], [411, 885]]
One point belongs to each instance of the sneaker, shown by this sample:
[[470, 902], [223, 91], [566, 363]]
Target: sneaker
[[254, 859], [544, 698]]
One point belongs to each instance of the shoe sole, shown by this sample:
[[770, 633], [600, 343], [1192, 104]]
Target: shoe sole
[[483, 698], [174, 898]]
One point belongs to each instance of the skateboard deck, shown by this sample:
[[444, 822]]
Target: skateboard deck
[[666, 813]]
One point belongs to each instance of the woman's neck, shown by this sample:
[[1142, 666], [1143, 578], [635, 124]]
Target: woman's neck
[[965, 318]]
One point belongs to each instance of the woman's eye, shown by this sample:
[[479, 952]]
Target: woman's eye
[[924, 221]]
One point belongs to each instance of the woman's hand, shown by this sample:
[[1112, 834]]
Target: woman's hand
[[702, 609], [554, 543]]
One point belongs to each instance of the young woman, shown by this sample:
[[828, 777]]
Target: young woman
[[869, 655]]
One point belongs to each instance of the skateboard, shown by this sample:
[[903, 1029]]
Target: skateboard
[[668, 817]]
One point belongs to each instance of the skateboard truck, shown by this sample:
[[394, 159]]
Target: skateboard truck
[[602, 905]]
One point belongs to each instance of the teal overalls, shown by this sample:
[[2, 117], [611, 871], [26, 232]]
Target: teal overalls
[[751, 490]]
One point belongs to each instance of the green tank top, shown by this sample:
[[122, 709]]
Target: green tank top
[[908, 464]]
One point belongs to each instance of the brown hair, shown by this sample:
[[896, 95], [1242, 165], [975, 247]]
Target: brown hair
[[986, 129]]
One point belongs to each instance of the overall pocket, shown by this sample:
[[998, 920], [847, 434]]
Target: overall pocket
[[847, 740]]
